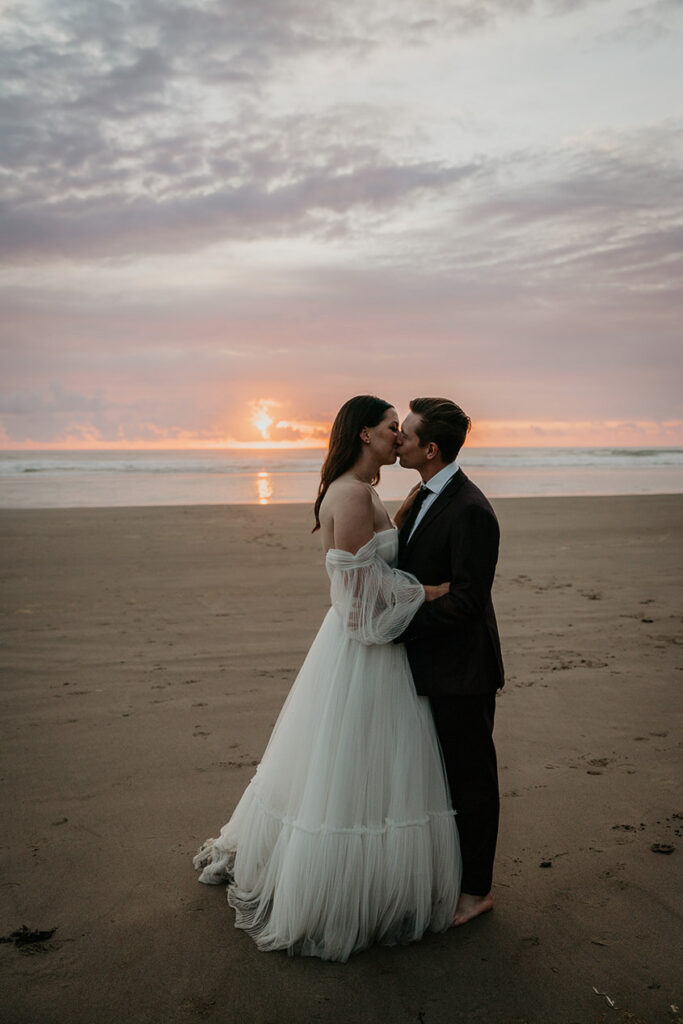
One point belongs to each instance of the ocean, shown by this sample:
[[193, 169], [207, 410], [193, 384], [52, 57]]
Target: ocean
[[61, 479]]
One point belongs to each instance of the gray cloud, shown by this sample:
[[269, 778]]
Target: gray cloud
[[106, 142], [54, 400], [107, 150], [646, 24], [117, 224], [608, 214]]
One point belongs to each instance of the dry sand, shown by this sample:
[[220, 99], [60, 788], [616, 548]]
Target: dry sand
[[146, 653]]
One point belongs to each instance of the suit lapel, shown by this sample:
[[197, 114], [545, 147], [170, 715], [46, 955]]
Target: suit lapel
[[440, 503]]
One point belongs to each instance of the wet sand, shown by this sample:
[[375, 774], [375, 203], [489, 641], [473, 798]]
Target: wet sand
[[145, 656]]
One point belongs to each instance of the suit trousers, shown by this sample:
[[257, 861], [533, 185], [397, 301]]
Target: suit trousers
[[464, 725]]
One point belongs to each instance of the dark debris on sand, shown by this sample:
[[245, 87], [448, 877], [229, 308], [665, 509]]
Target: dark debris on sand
[[29, 939]]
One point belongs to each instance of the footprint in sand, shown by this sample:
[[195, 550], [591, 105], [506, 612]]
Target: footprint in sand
[[571, 659], [625, 832], [244, 761], [263, 538], [673, 824], [598, 763], [553, 584]]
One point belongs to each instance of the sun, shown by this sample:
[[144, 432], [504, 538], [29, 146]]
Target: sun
[[261, 418]]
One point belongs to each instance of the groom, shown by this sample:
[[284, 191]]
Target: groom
[[451, 533]]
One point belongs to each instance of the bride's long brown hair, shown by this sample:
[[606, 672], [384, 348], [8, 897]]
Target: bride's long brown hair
[[345, 443]]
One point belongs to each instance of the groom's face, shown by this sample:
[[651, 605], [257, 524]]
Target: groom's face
[[410, 454]]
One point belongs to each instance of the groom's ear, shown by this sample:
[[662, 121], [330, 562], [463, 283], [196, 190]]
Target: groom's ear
[[431, 450]]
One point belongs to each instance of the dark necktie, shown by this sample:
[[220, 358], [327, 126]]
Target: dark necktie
[[414, 509]]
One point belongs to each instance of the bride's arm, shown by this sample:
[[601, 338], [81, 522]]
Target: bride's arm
[[374, 601]]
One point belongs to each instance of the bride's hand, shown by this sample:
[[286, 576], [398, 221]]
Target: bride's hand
[[439, 590], [403, 511]]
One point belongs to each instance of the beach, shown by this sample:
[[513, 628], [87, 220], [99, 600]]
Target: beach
[[146, 654]]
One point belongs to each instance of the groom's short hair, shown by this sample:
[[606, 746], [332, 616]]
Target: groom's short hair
[[443, 422]]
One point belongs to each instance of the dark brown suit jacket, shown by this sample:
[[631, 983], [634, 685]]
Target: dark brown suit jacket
[[452, 643]]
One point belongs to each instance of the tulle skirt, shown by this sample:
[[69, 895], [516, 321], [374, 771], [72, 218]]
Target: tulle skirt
[[345, 835]]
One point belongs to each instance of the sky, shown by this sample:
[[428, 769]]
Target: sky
[[219, 219]]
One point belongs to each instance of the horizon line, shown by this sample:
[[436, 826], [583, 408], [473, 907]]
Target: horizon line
[[282, 446]]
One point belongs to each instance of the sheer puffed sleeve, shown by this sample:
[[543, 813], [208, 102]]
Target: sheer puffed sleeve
[[374, 601]]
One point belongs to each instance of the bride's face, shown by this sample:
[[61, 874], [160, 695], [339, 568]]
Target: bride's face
[[384, 438]]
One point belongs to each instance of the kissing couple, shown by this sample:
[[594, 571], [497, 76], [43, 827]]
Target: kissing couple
[[373, 814]]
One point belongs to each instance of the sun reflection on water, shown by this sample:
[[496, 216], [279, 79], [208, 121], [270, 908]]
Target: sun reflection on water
[[264, 487]]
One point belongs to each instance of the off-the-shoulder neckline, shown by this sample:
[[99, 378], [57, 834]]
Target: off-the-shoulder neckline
[[376, 533]]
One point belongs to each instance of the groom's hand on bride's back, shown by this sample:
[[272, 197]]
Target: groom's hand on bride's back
[[433, 592]]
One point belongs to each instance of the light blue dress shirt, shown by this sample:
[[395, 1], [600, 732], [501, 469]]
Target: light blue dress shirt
[[435, 487]]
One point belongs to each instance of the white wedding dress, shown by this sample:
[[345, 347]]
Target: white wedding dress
[[345, 835]]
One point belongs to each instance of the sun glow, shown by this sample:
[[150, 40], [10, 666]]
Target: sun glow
[[256, 425], [261, 418]]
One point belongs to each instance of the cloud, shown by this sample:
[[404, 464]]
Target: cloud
[[116, 224], [119, 137], [308, 430], [143, 128], [56, 400], [594, 212], [646, 24]]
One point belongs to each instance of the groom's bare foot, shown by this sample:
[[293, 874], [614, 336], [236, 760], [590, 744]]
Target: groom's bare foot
[[470, 906]]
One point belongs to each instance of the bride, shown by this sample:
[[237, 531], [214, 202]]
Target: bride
[[345, 835]]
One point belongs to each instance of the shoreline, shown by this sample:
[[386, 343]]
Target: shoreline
[[147, 652], [390, 502], [264, 478]]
